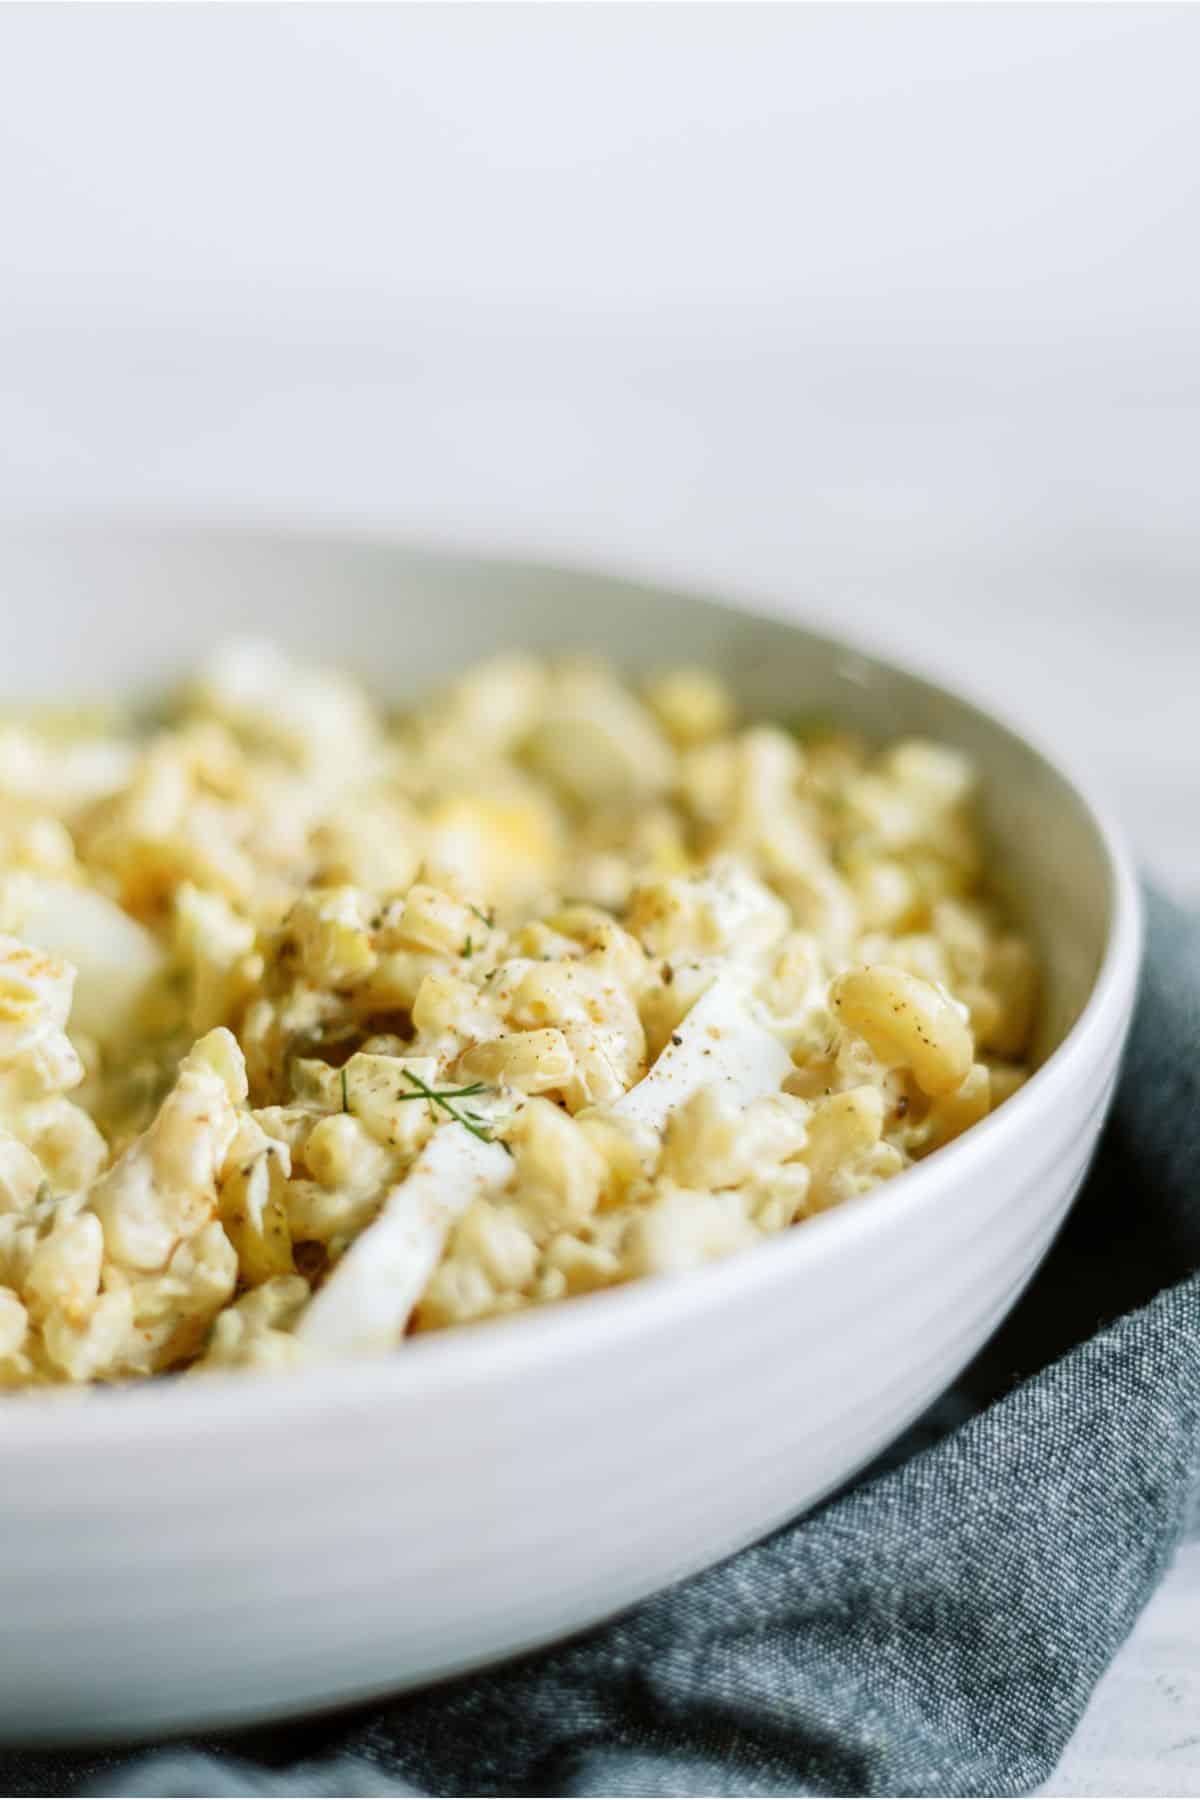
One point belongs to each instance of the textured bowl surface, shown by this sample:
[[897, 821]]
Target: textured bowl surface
[[178, 1556]]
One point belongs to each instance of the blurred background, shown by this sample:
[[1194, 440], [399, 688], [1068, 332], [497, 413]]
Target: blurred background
[[890, 314]]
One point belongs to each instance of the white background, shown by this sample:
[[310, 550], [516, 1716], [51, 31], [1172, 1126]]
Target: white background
[[895, 311], [892, 312]]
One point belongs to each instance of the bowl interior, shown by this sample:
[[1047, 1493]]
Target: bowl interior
[[97, 609]]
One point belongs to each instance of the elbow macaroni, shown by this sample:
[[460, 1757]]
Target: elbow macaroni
[[686, 984]]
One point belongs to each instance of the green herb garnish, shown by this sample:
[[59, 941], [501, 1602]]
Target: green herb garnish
[[467, 948], [444, 1096], [345, 1095], [488, 918]]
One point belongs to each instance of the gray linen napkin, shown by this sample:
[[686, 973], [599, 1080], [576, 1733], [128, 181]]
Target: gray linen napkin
[[936, 1630]]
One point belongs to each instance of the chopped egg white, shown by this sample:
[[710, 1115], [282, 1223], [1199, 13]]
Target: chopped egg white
[[367, 1301]]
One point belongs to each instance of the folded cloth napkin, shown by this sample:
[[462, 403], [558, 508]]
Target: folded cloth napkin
[[937, 1629]]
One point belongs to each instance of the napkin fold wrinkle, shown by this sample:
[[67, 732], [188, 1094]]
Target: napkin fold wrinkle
[[937, 1629]]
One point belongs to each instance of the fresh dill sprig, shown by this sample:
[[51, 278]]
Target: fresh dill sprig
[[488, 918], [444, 1096], [424, 1093], [467, 948], [345, 1095]]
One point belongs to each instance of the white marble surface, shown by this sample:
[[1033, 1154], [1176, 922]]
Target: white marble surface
[[1141, 1734], [893, 318]]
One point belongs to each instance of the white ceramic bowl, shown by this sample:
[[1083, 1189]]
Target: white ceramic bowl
[[183, 1555]]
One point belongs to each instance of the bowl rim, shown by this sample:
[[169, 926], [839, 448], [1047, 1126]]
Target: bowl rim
[[53, 1420]]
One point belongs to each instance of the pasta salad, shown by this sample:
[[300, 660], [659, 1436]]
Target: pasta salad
[[321, 1027]]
